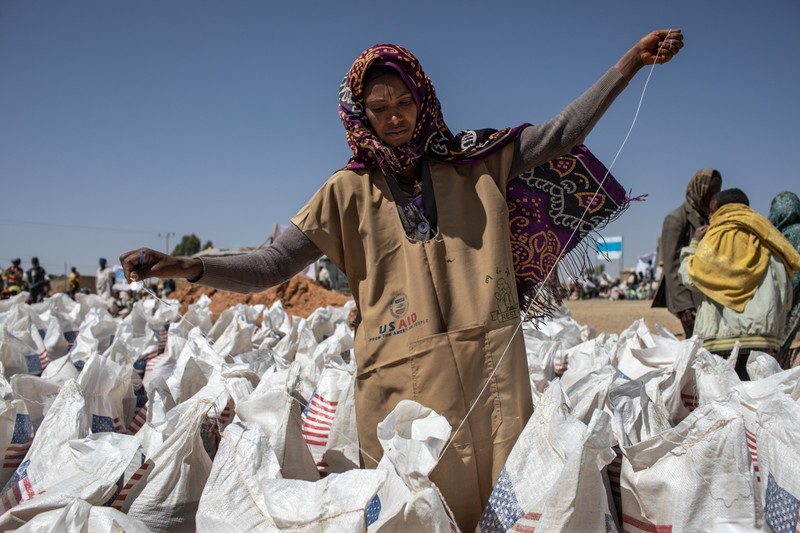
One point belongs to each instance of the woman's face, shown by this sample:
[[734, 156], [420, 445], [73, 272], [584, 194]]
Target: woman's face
[[714, 187], [390, 109]]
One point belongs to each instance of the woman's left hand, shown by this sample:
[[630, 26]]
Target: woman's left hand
[[658, 46]]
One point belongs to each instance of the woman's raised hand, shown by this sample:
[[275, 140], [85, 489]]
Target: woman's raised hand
[[658, 46]]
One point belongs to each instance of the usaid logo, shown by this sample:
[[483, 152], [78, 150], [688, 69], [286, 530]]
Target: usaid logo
[[403, 319], [399, 306]]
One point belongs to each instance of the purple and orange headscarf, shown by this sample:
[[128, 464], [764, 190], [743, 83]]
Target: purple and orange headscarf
[[431, 135]]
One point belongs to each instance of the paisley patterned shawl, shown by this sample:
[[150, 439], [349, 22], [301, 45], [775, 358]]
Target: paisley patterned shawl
[[552, 208]]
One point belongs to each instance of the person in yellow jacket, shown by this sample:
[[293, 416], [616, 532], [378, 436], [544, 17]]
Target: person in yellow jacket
[[743, 266], [73, 282]]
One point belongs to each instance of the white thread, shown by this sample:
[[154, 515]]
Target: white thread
[[560, 256]]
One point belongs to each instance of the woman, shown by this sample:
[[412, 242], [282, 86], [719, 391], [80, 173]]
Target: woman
[[419, 223], [784, 213], [677, 231]]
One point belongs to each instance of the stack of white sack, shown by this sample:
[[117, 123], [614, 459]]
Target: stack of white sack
[[163, 422]]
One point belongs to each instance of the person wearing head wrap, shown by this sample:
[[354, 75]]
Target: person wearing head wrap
[[676, 232], [442, 237], [104, 278], [743, 266], [784, 213]]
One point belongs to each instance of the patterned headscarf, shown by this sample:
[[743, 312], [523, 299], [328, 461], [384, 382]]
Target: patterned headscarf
[[431, 135], [785, 210], [697, 189], [784, 213]]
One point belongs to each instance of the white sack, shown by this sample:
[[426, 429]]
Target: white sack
[[329, 420], [233, 331], [16, 435], [761, 365], [275, 407], [778, 435], [37, 393], [687, 477], [107, 391], [245, 488], [87, 468], [167, 495], [553, 479], [413, 438], [80, 516]]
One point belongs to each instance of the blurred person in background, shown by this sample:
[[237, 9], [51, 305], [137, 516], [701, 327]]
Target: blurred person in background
[[743, 267], [14, 278], [168, 287], [784, 213], [73, 282], [104, 278], [36, 278], [677, 232]]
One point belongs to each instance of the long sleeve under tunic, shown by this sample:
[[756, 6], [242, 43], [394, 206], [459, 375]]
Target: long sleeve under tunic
[[292, 251]]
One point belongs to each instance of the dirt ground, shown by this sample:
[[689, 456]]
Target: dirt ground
[[613, 317], [300, 296]]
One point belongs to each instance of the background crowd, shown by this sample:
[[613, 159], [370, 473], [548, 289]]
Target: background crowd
[[631, 285]]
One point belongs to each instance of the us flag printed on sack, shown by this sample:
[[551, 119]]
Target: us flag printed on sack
[[635, 525], [614, 470], [162, 334], [561, 363], [504, 512], [316, 422], [781, 508], [138, 420], [21, 488], [130, 478], [153, 360], [689, 401], [37, 362], [102, 424], [753, 449], [20, 441], [70, 337]]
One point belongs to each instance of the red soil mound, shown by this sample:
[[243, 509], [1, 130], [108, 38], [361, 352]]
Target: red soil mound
[[300, 296]]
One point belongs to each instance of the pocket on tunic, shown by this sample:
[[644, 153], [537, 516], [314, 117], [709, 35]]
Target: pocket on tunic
[[445, 372]]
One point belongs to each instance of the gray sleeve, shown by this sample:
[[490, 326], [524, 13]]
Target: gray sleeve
[[291, 252], [540, 143]]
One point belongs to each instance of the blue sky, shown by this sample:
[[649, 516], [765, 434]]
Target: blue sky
[[123, 120]]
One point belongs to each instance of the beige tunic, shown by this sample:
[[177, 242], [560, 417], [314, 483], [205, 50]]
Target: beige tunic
[[436, 316]]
